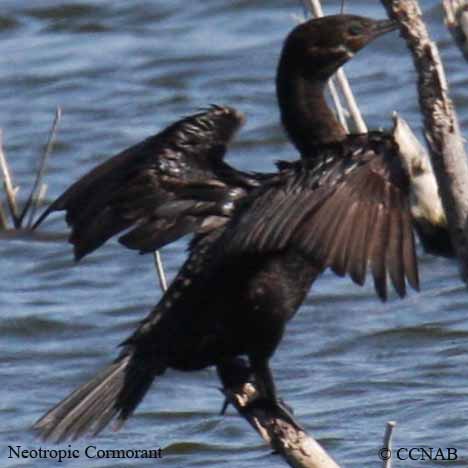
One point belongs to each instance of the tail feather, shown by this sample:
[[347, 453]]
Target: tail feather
[[113, 393]]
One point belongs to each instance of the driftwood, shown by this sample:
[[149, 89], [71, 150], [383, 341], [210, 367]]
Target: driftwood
[[296, 447], [424, 191], [440, 121], [276, 427], [456, 19]]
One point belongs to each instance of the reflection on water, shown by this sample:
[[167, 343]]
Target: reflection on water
[[123, 70]]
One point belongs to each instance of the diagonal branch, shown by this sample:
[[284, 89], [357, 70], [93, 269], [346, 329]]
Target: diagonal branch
[[387, 445], [3, 218], [8, 184], [456, 19], [316, 9], [158, 263], [440, 122], [286, 438], [38, 187]]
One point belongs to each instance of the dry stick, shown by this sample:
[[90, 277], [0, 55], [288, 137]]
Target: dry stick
[[386, 452], [33, 199], [340, 111], [424, 191], [10, 190], [361, 126], [316, 8], [456, 19], [3, 218], [337, 103], [293, 444], [41, 195], [440, 121], [160, 269]]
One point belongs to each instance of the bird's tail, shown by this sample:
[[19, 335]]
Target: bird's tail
[[113, 393]]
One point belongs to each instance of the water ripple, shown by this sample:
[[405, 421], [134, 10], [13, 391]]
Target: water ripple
[[123, 70]]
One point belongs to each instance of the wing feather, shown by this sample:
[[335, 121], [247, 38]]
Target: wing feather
[[395, 245], [127, 189], [409, 251], [349, 214], [378, 248]]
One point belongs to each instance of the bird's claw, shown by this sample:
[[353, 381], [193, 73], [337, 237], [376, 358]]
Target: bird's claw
[[225, 406], [277, 407]]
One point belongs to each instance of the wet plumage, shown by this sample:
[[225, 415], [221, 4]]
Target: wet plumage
[[181, 168], [260, 240]]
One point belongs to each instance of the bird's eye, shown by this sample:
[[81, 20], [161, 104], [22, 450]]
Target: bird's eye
[[355, 30]]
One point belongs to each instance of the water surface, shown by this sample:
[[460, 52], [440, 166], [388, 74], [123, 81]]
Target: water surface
[[123, 70]]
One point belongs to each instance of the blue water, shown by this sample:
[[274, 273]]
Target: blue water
[[123, 70]]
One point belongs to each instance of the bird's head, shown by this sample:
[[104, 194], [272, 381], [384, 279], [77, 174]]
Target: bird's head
[[318, 47]]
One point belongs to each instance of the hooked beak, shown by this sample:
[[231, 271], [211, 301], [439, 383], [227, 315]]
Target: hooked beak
[[383, 27]]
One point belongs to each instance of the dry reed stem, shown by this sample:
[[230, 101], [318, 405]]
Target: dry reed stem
[[10, 190], [387, 444], [38, 187], [160, 270], [338, 106], [316, 9], [340, 110], [3, 218]]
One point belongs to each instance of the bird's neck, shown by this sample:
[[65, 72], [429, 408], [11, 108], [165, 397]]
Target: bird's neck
[[305, 114]]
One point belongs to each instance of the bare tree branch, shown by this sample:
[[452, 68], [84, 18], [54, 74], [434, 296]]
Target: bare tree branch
[[337, 103], [425, 199], [160, 270], [341, 112], [456, 19], [440, 121], [37, 188], [297, 448], [3, 218], [10, 190], [387, 444], [316, 9]]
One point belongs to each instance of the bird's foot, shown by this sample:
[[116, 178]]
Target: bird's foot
[[276, 407], [225, 406]]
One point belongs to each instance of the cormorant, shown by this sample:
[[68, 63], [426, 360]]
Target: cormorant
[[260, 239]]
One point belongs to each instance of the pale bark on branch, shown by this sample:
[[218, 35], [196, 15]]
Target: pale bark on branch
[[387, 445], [10, 189], [456, 19], [440, 122], [294, 445]]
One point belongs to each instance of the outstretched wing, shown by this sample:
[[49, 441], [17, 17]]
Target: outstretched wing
[[181, 168], [347, 212]]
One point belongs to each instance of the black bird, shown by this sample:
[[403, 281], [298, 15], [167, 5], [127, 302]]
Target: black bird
[[260, 240]]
